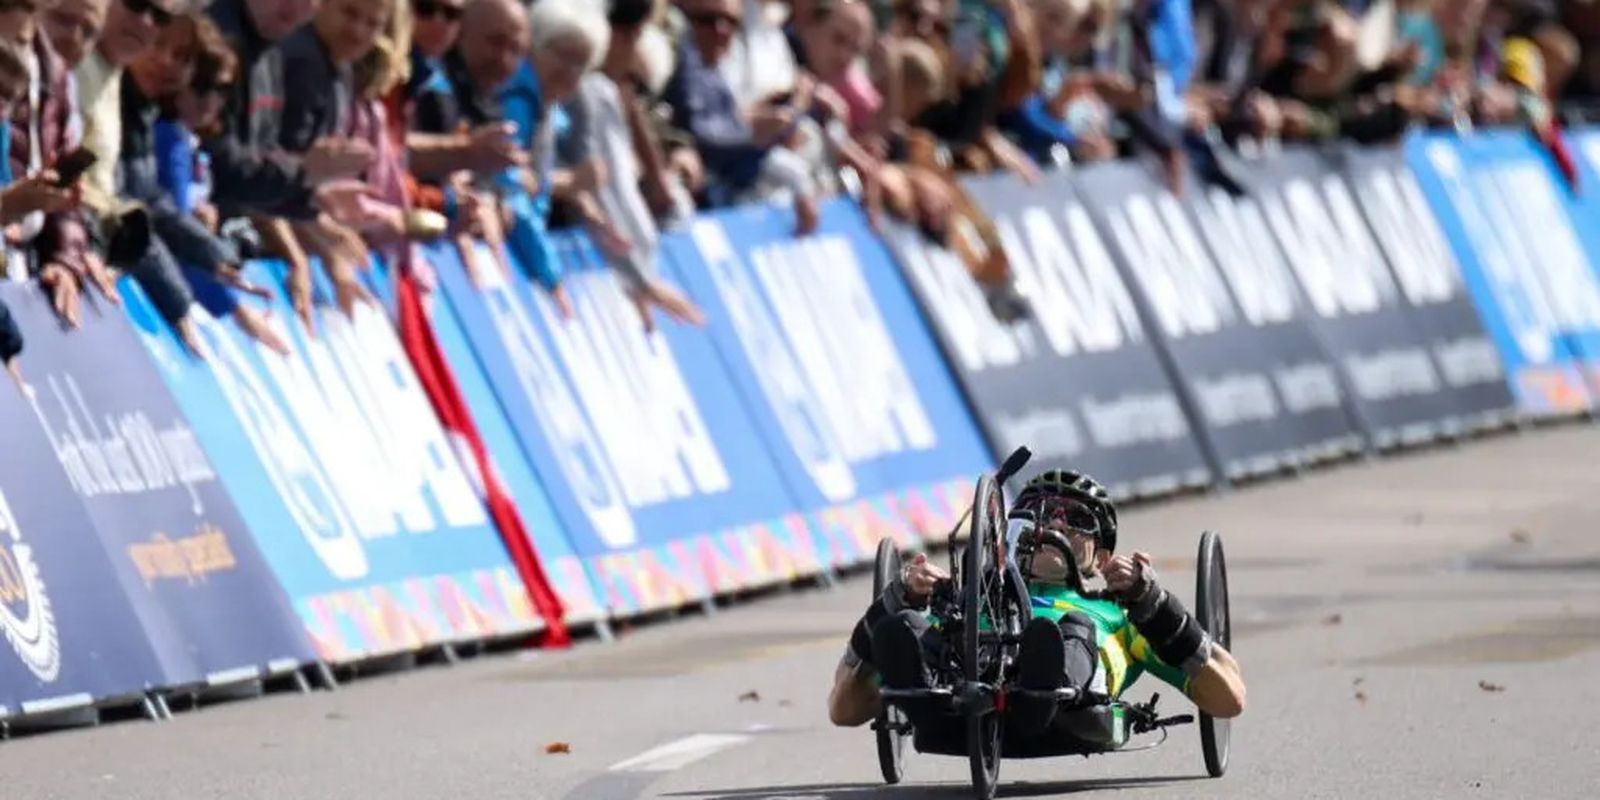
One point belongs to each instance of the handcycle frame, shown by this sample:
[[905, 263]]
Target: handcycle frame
[[972, 689]]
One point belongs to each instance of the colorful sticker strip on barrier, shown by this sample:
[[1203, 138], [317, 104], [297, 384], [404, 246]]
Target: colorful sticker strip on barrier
[[839, 373]]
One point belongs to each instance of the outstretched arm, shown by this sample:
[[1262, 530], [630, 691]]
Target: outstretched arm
[[1215, 683]]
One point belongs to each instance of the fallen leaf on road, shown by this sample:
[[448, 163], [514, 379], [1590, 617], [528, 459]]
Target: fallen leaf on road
[[1333, 619], [333, 715], [1358, 681], [1490, 687], [1361, 697], [751, 696], [558, 747], [784, 704], [1521, 536]]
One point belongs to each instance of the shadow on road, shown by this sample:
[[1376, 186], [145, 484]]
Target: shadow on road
[[912, 791]]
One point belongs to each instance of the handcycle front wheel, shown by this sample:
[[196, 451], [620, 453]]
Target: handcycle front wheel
[[1212, 611], [981, 593], [892, 727]]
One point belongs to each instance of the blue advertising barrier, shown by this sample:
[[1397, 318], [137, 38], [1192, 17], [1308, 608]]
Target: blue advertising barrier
[[1430, 283], [1506, 282], [838, 370], [68, 633], [1262, 395], [566, 572], [1079, 382], [353, 491], [654, 467], [1542, 217], [204, 595]]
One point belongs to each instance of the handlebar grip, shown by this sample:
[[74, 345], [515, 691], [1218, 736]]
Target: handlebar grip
[[1013, 464]]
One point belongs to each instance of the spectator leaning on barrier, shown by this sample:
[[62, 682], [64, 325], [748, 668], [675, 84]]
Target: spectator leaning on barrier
[[255, 179], [21, 196], [182, 241], [53, 244], [604, 114], [745, 159], [491, 51], [319, 61]]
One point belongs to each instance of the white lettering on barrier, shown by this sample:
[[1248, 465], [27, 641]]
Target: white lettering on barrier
[[32, 634], [1132, 419], [1177, 276], [416, 453], [1589, 145], [652, 432], [1409, 234], [585, 467], [1547, 235], [131, 456], [1236, 398], [1518, 292], [1469, 361], [1391, 374], [1081, 302], [1335, 273], [1308, 387], [975, 339], [809, 430], [294, 470], [338, 432], [1050, 433], [822, 300], [1249, 258]]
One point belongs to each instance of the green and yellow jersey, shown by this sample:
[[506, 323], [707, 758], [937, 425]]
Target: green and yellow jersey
[[1124, 653]]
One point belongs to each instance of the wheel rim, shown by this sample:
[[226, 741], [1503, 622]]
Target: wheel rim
[[983, 583], [891, 742], [1212, 612]]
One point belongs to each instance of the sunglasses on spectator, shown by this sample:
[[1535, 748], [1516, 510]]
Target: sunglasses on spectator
[[709, 19], [30, 6], [435, 8], [147, 8]]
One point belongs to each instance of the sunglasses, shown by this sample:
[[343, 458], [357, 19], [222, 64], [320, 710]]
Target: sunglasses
[[146, 8], [29, 6], [434, 8]]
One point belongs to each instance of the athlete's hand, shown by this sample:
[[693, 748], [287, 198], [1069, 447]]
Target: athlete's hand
[[920, 576], [1128, 577]]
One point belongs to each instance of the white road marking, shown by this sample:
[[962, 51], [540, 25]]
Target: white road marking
[[680, 753]]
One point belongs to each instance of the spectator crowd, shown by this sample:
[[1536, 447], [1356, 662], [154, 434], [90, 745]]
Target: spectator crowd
[[173, 140]]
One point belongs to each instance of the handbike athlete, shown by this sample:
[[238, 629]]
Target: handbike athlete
[[1098, 646]]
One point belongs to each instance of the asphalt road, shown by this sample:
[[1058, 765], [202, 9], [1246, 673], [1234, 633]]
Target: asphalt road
[[1420, 627]]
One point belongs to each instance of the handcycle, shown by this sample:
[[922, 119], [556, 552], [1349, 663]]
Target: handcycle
[[983, 609]]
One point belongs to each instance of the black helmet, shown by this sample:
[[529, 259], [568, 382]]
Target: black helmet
[[1060, 483]]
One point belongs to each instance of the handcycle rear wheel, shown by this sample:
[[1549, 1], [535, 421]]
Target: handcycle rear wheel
[[892, 727], [982, 587], [1212, 612]]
